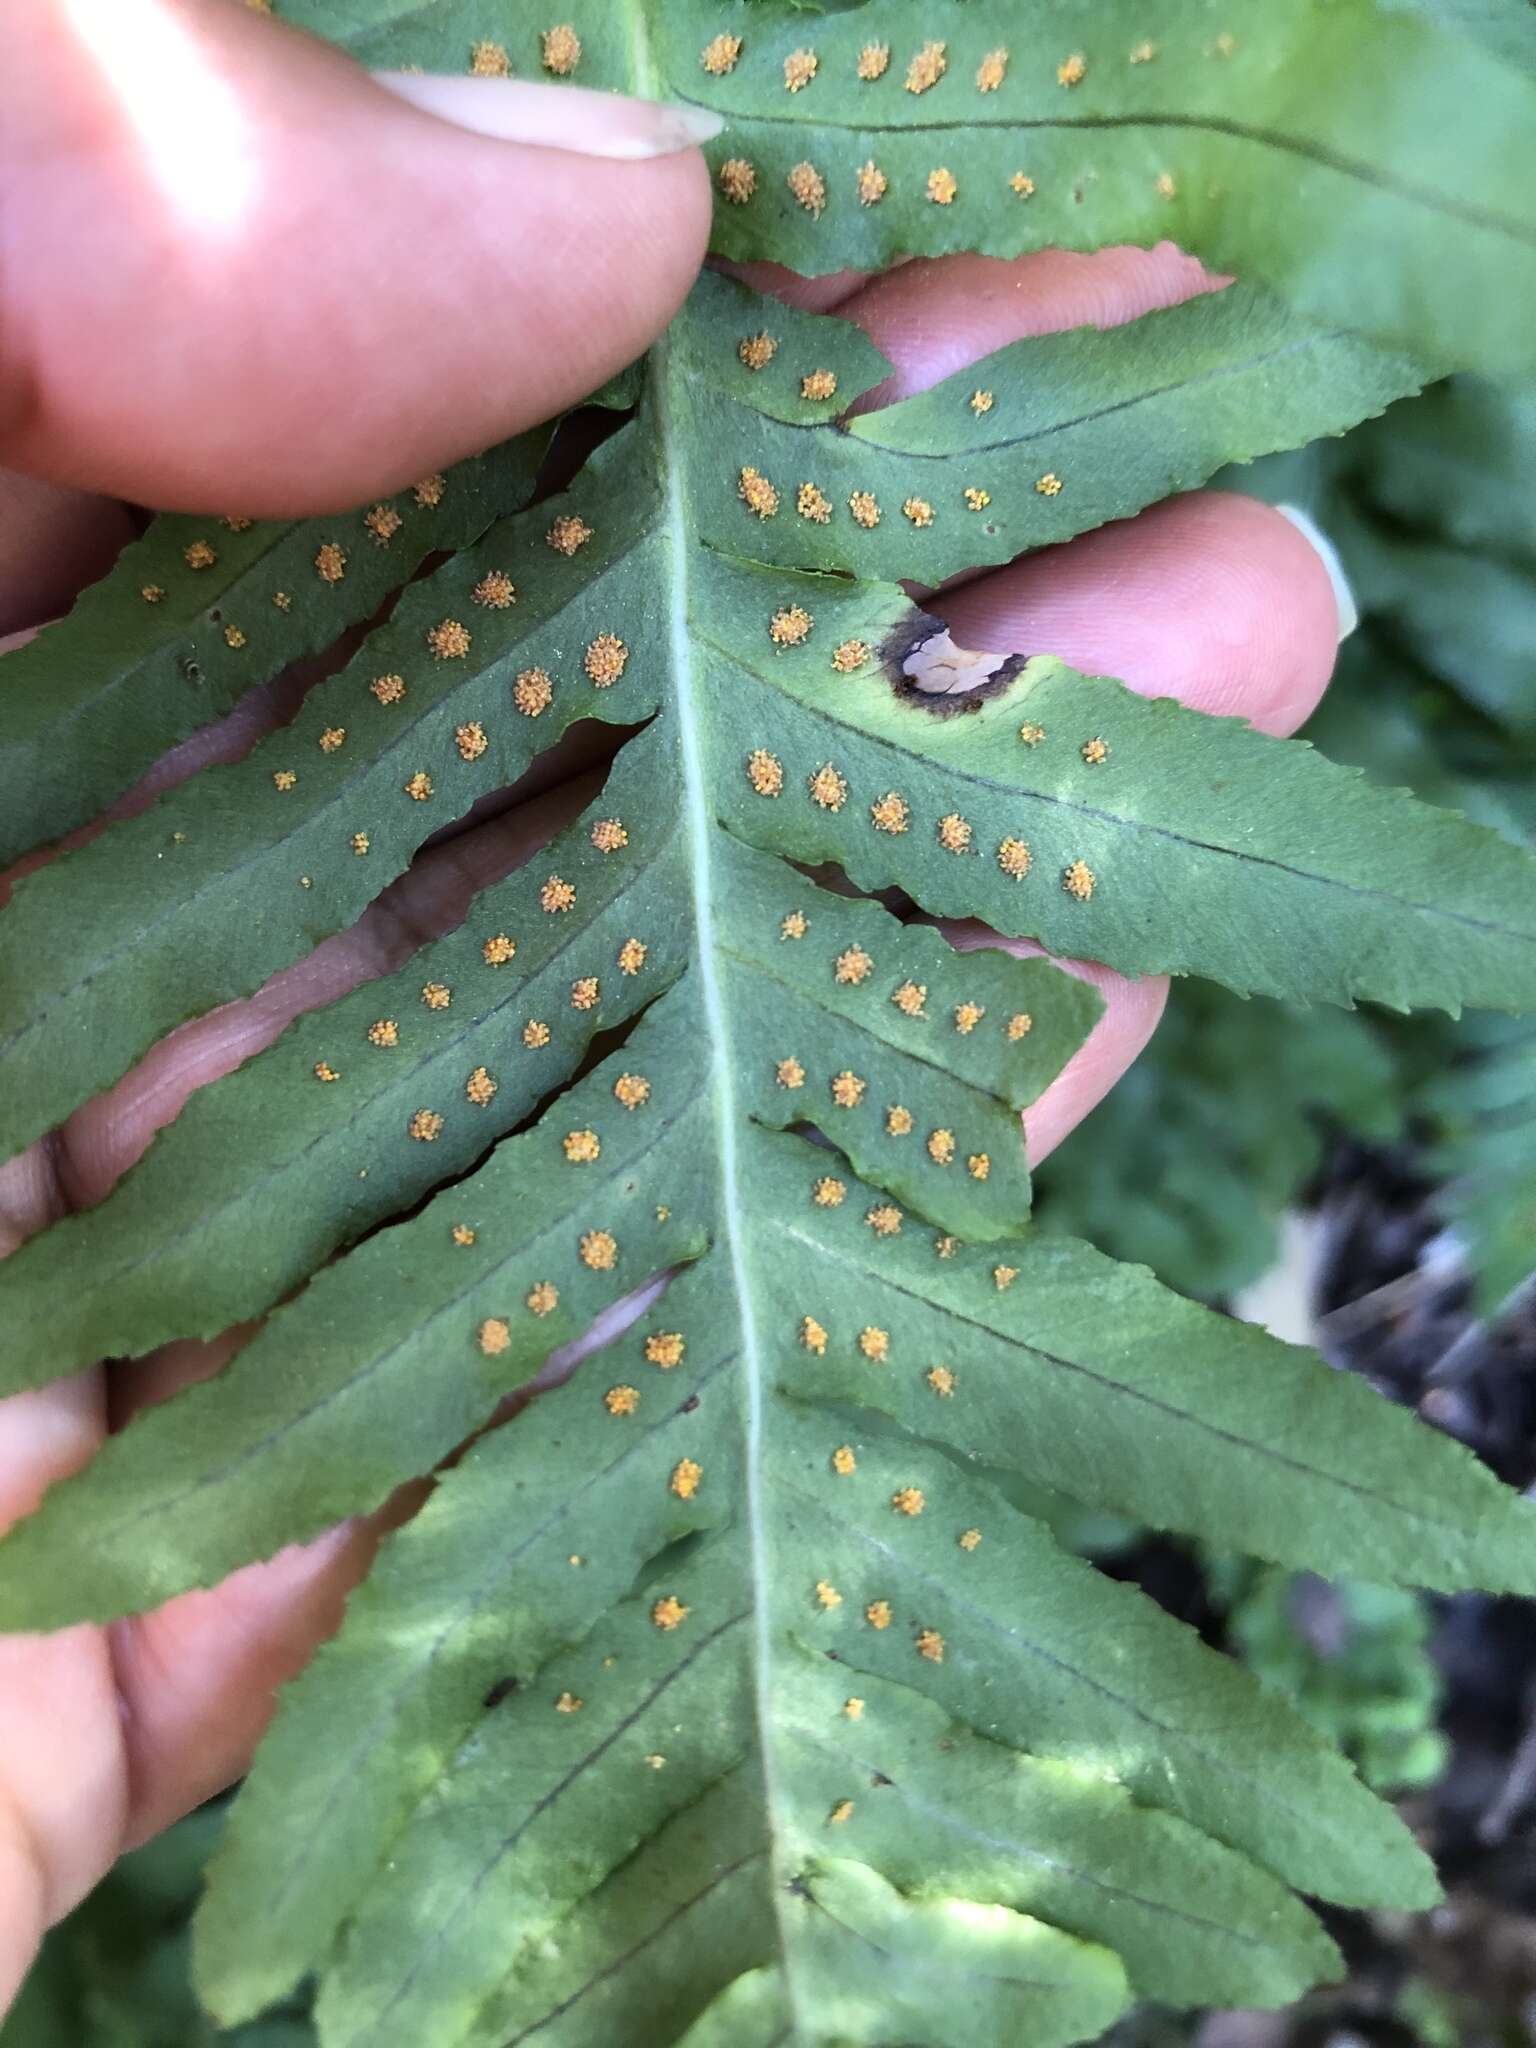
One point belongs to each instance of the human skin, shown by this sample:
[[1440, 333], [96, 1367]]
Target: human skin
[[152, 355]]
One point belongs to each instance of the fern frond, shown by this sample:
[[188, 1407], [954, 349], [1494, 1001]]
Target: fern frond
[[199, 611], [1347, 154], [312, 824], [726, 1691]]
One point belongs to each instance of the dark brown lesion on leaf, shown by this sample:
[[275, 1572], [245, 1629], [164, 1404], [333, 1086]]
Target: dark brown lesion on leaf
[[927, 670]]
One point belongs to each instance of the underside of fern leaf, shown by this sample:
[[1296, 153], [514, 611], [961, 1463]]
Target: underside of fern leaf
[[725, 1694]]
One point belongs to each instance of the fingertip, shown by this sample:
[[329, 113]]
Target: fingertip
[[52, 543], [198, 1678], [1213, 598], [1132, 1011]]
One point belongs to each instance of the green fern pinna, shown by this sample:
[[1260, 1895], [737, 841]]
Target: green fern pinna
[[726, 1696]]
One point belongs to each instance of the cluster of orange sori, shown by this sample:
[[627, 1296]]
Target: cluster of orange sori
[[736, 181], [891, 813]]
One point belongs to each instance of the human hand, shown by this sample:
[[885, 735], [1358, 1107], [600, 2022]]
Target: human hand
[[236, 271]]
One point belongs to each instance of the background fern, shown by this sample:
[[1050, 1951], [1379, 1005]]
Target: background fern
[[741, 1689]]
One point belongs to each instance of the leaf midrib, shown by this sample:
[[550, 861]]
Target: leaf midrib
[[700, 814]]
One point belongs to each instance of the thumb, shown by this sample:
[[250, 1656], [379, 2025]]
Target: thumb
[[238, 272]]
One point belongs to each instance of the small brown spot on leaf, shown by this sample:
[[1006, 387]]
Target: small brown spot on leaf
[[561, 50], [719, 54], [813, 504], [809, 188], [927, 68], [496, 591], [532, 691], [737, 180], [605, 660], [449, 640], [568, 534]]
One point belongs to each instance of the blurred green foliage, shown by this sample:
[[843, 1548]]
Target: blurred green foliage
[[115, 1974], [1354, 1659]]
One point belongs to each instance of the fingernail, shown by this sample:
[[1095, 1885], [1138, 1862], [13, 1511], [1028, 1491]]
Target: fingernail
[[1328, 555], [556, 116]]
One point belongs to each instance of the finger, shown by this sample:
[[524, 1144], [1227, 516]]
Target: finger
[[62, 1789], [808, 294], [932, 318], [1212, 598], [198, 1679], [240, 271], [105, 1737], [52, 543]]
